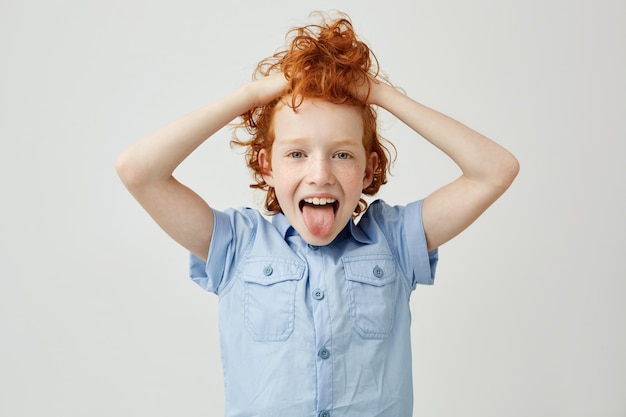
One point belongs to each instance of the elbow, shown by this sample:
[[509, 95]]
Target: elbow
[[508, 169], [127, 171]]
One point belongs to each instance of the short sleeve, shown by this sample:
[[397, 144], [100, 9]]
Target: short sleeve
[[232, 230], [404, 231], [424, 262]]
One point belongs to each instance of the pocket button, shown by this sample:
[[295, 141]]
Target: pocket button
[[378, 272]]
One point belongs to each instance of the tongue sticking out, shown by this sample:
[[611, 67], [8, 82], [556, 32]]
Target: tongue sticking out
[[318, 219]]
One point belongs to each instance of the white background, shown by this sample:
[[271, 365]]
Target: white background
[[97, 316]]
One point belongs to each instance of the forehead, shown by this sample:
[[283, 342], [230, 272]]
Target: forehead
[[316, 119]]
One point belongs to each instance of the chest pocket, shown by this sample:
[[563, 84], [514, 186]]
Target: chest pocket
[[269, 297], [372, 288]]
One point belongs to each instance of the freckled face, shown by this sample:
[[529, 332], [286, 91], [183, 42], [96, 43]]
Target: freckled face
[[318, 167]]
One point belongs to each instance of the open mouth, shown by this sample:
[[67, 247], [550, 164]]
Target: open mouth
[[322, 202]]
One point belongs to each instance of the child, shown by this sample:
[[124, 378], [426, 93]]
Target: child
[[314, 305]]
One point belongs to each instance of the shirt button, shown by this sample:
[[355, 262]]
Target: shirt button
[[324, 353], [268, 270], [378, 272], [318, 294], [324, 414]]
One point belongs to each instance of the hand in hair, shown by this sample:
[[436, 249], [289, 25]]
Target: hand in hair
[[267, 89]]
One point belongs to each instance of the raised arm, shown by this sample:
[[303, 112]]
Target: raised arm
[[487, 168], [146, 167]]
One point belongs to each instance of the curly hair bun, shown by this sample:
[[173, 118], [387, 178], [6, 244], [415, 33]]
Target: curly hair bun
[[324, 60]]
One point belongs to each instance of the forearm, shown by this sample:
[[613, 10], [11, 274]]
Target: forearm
[[478, 157], [154, 157]]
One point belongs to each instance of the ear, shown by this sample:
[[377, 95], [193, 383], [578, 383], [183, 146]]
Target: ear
[[370, 167], [266, 167]]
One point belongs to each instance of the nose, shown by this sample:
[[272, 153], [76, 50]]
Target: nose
[[320, 172]]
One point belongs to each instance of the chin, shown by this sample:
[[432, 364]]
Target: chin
[[318, 240]]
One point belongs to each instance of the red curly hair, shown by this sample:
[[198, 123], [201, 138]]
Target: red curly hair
[[323, 61]]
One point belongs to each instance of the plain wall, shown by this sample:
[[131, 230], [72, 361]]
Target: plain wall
[[97, 315]]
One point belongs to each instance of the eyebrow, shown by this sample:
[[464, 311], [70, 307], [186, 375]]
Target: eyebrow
[[335, 142]]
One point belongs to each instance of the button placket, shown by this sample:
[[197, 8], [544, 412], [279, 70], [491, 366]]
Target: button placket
[[321, 321]]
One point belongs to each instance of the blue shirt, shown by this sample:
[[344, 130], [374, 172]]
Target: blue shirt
[[317, 331]]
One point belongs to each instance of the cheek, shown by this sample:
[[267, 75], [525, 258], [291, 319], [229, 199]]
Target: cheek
[[285, 179], [284, 173], [353, 180]]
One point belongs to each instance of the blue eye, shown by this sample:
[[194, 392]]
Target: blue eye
[[342, 155], [296, 154]]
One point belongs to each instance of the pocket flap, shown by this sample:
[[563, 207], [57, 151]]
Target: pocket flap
[[269, 270], [377, 270]]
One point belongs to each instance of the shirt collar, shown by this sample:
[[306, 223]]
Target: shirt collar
[[285, 229]]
